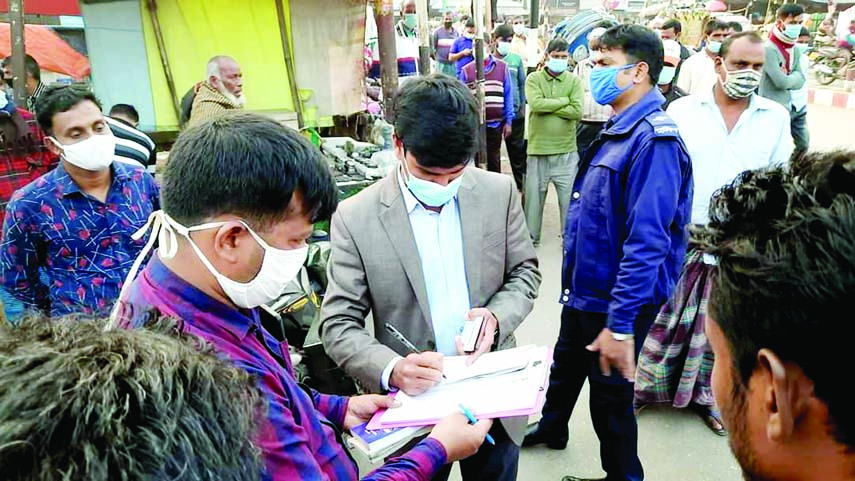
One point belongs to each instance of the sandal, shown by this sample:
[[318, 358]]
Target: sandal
[[712, 418]]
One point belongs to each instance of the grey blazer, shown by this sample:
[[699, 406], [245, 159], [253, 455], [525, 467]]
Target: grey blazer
[[776, 83], [375, 267]]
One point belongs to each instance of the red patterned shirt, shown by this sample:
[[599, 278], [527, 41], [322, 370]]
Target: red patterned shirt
[[17, 170]]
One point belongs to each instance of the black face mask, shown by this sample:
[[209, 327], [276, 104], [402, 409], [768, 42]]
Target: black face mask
[[8, 82], [448, 24]]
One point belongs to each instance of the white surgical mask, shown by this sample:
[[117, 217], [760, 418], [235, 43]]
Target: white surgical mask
[[504, 48], [714, 46], [278, 268], [519, 29], [94, 154], [667, 75], [430, 193]]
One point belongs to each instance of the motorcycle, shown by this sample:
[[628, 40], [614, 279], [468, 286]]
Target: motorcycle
[[831, 63]]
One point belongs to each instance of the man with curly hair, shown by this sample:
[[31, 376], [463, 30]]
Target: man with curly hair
[[780, 317]]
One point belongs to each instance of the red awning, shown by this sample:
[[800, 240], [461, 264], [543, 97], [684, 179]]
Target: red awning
[[46, 7], [49, 49]]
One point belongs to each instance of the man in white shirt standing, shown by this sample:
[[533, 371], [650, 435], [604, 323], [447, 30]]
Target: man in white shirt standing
[[730, 128], [727, 130], [697, 74]]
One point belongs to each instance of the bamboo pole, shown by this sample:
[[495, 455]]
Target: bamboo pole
[[164, 59], [290, 67], [422, 7], [19, 69], [385, 20], [478, 47]]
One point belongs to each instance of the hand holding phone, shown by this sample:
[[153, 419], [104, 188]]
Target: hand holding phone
[[472, 330]]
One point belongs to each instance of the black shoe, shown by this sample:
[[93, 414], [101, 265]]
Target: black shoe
[[574, 478], [536, 435]]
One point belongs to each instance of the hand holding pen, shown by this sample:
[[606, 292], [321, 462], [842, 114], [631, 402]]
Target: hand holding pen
[[417, 372]]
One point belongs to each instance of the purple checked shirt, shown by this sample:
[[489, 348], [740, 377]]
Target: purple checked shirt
[[301, 435]]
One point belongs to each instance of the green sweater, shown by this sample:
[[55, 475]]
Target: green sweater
[[555, 105]]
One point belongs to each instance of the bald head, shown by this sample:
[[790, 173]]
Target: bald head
[[224, 74]]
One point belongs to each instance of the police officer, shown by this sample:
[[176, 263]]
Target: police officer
[[625, 240]]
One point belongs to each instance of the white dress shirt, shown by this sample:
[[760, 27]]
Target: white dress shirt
[[799, 97], [439, 240], [697, 74], [760, 138]]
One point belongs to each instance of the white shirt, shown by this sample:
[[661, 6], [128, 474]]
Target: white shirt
[[439, 240], [799, 97], [697, 74], [760, 138]]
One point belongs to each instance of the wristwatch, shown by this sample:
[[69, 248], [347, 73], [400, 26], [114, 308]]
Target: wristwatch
[[622, 337]]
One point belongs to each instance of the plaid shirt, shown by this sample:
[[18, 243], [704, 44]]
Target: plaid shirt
[[83, 245], [17, 170], [300, 437]]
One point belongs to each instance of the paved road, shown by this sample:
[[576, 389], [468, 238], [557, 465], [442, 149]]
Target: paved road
[[673, 445]]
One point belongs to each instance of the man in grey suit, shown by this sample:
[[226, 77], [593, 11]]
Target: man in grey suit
[[434, 243], [783, 73]]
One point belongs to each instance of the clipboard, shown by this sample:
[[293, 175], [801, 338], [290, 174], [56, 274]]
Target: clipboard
[[495, 397]]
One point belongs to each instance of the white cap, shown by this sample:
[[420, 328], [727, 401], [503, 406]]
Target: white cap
[[672, 52], [596, 33]]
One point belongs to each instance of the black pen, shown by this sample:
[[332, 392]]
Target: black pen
[[406, 342]]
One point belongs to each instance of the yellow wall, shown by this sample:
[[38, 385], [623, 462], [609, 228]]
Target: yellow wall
[[196, 30]]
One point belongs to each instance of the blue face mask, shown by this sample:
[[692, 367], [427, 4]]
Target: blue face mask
[[792, 31], [430, 193], [604, 87], [557, 65]]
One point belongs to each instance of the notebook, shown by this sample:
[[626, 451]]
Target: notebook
[[377, 444], [508, 385]]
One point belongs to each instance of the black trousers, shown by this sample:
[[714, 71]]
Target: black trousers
[[494, 148], [516, 145], [490, 463], [611, 397]]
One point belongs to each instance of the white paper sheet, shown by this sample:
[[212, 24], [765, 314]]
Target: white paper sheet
[[489, 396]]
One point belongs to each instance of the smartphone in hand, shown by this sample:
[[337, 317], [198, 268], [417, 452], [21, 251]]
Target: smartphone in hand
[[472, 330]]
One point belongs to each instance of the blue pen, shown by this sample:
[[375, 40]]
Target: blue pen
[[472, 420]]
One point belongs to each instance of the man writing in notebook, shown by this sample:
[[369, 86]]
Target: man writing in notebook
[[429, 246]]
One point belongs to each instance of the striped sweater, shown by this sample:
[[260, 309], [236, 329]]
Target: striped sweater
[[498, 90]]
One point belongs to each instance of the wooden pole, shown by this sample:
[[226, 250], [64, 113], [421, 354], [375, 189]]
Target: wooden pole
[[384, 17], [19, 69], [290, 67], [164, 59], [478, 47], [534, 14], [422, 7]]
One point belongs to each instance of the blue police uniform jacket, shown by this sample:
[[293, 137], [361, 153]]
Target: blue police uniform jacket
[[626, 231]]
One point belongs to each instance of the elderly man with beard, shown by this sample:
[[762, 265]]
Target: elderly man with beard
[[785, 273], [222, 91]]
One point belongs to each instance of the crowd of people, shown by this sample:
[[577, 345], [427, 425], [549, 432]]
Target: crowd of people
[[708, 254]]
